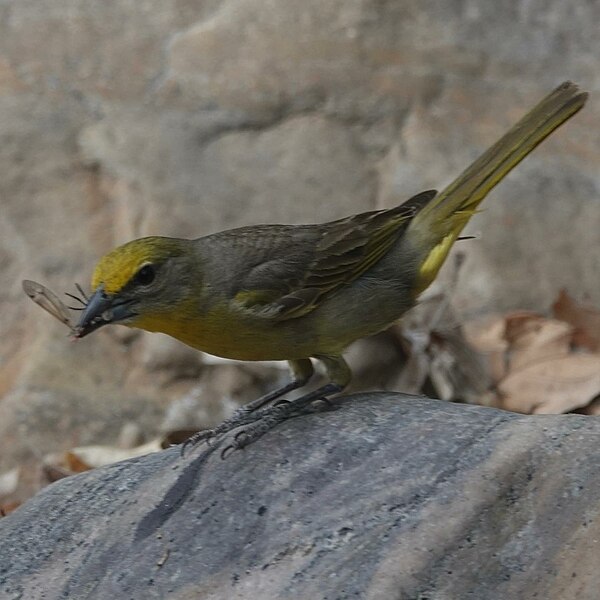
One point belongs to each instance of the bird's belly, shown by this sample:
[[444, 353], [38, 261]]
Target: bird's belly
[[235, 336], [248, 343]]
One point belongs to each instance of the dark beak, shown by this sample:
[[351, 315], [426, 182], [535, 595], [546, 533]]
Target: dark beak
[[101, 309]]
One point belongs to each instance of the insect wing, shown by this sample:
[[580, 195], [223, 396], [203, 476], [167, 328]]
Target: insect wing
[[48, 300]]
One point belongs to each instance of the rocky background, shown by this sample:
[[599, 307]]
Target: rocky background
[[120, 119]]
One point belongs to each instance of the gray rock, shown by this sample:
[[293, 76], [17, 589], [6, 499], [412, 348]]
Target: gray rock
[[388, 497]]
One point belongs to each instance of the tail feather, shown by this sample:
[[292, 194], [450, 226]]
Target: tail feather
[[437, 225]]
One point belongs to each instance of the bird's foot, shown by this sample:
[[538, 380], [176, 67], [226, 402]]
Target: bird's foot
[[247, 413], [266, 420], [270, 417], [241, 416], [258, 422]]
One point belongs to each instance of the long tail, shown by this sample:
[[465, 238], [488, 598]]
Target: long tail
[[437, 225]]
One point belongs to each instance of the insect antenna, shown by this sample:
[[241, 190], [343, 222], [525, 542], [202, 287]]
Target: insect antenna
[[84, 302], [80, 290]]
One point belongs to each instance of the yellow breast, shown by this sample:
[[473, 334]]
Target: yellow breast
[[229, 333]]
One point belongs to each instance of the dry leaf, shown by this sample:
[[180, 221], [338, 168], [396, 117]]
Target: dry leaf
[[442, 373], [74, 464], [518, 323], [84, 458], [414, 374], [593, 408], [9, 481], [7, 507], [438, 353], [584, 318], [98, 456], [538, 340], [176, 437], [52, 470], [486, 336], [557, 385]]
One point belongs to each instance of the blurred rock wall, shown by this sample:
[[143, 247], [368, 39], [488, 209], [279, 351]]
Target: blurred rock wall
[[123, 118]]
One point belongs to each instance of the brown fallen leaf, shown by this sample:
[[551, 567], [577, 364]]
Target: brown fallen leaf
[[593, 408], [175, 437], [519, 322], [53, 472], [74, 463], [538, 339], [584, 318], [7, 507], [84, 458], [98, 456], [553, 386]]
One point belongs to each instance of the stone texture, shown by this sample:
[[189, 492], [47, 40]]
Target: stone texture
[[180, 117], [389, 496]]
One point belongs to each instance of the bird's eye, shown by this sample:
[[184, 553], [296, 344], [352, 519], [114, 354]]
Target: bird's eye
[[145, 276]]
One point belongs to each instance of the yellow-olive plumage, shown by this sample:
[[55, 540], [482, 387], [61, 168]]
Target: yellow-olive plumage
[[277, 292]]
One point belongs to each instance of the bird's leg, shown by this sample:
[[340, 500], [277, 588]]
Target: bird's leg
[[302, 370], [274, 415], [264, 420]]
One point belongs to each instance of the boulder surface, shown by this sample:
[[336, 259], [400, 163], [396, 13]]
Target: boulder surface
[[386, 497]]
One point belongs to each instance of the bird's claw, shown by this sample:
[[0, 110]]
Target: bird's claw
[[197, 438], [240, 439], [281, 402], [326, 403], [228, 451]]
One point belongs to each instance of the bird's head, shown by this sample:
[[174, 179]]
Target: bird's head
[[138, 282]]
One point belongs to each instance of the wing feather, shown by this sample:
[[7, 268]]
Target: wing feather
[[344, 251]]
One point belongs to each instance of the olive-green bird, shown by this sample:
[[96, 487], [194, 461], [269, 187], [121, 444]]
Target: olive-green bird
[[296, 292]]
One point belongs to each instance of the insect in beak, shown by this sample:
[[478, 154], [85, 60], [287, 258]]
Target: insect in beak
[[50, 302]]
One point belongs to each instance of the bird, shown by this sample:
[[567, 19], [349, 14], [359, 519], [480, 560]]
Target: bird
[[300, 293]]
